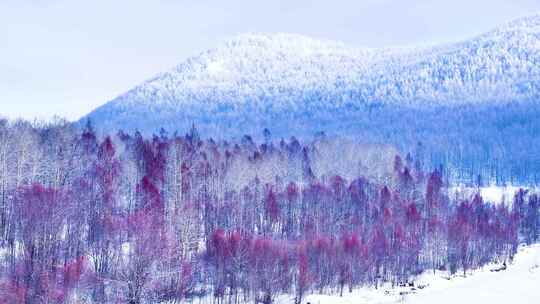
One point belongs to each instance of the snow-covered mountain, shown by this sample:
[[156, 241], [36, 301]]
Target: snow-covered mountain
[[256, 80]]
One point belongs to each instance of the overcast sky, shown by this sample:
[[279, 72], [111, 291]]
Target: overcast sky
[[67, 57]]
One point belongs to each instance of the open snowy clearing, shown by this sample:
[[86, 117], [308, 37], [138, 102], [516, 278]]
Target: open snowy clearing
[[519, 283], [493, 194]]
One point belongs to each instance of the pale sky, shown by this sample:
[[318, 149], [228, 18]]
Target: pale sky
[[66, 57]]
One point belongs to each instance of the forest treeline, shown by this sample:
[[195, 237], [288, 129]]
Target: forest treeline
[[494, 143], [131, 219]]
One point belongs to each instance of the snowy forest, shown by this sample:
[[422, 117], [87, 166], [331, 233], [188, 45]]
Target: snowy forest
[[127, 218]]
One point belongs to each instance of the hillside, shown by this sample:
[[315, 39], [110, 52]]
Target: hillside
[[276, 73], [469, 102]]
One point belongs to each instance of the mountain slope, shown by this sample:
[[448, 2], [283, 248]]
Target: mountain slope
[[474, 104], [284, 72]]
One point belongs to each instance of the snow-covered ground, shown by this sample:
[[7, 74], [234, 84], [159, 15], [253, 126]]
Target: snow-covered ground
[[497, 194], [492, 194], [519, 283]]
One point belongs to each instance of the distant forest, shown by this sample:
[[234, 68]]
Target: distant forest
[[495, 143], [168, 218]]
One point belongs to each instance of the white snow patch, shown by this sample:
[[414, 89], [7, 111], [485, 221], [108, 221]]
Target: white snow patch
[[519, 283], [492, 194], [216, 68], [126, 249], [497, 194]]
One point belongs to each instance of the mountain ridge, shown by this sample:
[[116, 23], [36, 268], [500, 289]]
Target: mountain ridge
[[276, 73]]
